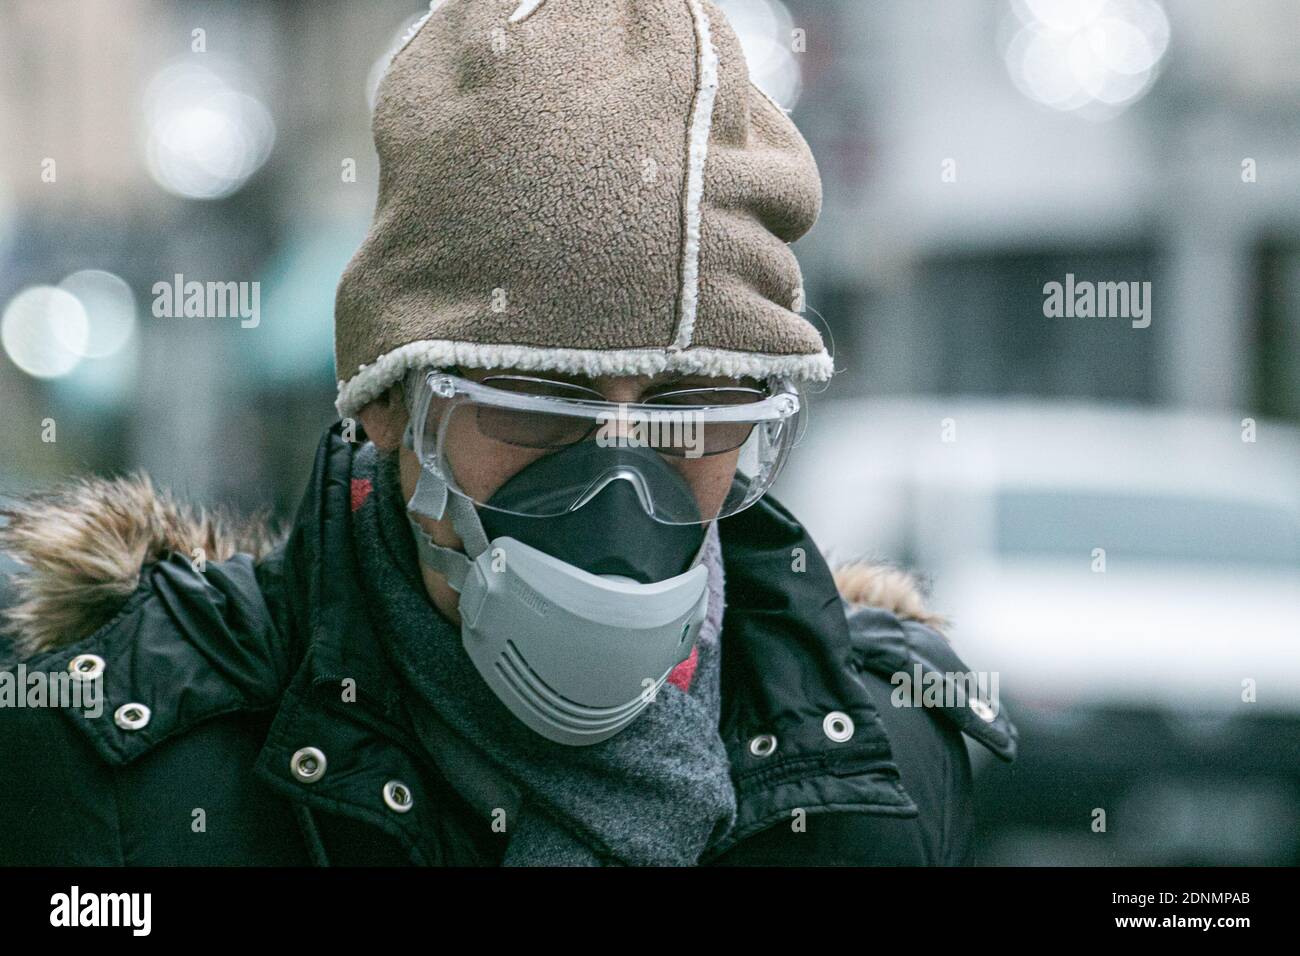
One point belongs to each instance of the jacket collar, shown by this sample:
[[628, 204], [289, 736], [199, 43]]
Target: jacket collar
[[787, 674], [344, 699]]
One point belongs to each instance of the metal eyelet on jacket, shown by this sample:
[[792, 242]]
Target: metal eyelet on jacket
[[398, 796], [132, 716], [982, 710], [764, 745], [307, 764], [86, 666], [838, 726]]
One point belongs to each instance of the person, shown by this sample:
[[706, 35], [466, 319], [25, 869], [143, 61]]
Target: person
[[537, 606]]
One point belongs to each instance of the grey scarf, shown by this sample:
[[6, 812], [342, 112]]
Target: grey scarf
[[657, 793]]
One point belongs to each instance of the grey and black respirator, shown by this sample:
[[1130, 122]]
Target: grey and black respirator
[[581, 584]]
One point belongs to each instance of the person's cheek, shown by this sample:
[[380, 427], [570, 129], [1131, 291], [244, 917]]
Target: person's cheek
[[479, 464], [710, 479]]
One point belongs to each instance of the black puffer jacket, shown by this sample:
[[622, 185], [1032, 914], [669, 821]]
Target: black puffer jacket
[[215, 681]]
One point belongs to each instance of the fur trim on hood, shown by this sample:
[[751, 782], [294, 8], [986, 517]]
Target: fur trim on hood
[[889, 588], [85, 543]]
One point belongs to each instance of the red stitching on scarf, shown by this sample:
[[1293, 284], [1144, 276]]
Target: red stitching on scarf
[[360, 492], [681, 674]]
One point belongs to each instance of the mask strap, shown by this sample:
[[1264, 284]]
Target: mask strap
[[432, 499]]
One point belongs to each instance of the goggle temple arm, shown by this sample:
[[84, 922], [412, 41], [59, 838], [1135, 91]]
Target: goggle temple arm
[[432, 499], [431, 492]]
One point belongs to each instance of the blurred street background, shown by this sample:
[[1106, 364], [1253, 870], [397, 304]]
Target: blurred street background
[[1109, 513]]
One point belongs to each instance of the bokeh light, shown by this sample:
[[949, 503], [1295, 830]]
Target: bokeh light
[[765, 29], [44, 331], [205, 138], [1094, 56], [110, 310]]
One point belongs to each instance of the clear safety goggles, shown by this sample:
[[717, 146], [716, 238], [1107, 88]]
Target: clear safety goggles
[[692, 454]]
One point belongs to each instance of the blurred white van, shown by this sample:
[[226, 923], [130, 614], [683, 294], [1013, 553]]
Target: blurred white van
[[1089, 552], [1134, 577]]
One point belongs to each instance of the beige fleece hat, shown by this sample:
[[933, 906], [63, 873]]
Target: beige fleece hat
[[583, 186]]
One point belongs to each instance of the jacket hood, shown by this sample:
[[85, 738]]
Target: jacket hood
[[83, 545], [581, 186]]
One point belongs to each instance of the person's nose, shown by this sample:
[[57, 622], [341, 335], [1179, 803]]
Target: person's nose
[[619, 390]]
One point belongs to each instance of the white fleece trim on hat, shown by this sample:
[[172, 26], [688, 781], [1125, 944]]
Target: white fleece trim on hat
[[373, 380], [706, 93], [526, 9]]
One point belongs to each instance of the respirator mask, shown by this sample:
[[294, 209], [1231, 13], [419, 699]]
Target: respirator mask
[[581, 584]]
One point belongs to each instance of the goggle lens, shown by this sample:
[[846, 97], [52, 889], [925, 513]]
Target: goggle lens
[[725, 461]]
